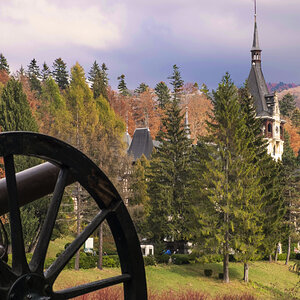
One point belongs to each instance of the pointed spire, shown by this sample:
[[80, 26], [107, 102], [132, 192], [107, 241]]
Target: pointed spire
[[256, 51], [186, 123], [255, 45]]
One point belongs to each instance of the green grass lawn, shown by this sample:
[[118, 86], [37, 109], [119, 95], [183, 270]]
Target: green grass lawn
[[267, 281]]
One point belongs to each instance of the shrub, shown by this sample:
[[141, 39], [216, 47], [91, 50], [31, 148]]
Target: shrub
[[110, 261], [149, 260], [212, 258], [281, 256], [297, 256], [162, 259], [182, 259], [221, 276], [208, 272]]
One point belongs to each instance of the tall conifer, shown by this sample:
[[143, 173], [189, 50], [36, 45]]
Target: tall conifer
[[60, 73], [3, 64], [163, 94], [169, 173]]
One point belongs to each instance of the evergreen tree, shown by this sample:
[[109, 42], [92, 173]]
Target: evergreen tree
[[205, 91], [291, 192], [163, 94], [122, 87], [46, 73], [60, 73], [16, 116], [104, 70], [143, 87], [3, 64], [95, 69], [287, 104], [228, 209], [15, 110], [34, 76], [139, 184], [98, 78], [139, 199], [295, 117], [168, 175]]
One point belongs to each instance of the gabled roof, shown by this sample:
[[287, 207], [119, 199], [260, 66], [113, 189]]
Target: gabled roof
[[141, 144]]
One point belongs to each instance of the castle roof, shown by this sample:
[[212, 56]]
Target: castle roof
[[141, 144], [257, 86]]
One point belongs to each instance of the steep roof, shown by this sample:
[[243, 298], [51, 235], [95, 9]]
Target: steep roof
[[256, 82], [141, 143], [259, 90]]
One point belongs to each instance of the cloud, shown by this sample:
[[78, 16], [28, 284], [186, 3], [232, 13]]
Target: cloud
[[42, 23]]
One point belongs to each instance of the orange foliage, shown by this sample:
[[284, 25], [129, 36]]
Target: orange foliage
[[4, 77], [294, 136], [198, 107], [136, 111], [31, 95]]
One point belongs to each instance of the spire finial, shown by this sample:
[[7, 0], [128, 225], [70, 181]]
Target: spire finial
[[255, 12]]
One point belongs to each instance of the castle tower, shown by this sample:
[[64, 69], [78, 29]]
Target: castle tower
[[266, 103]]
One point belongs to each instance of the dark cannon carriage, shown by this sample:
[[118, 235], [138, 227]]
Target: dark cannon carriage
[[64, 166]]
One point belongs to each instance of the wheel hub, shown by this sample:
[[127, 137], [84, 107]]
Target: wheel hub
[[30, 287]]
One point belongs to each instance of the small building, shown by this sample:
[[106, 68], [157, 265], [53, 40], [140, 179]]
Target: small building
[[147, 249]]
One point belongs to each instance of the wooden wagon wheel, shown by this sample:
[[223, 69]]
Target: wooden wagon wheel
[[29, 280]]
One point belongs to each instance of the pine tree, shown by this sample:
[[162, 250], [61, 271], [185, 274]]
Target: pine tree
[[45, 73], [163, 94], [291, 192], [3, 64], [99, 80], [16, 116], [93, 72], [168, 175], [287, 104], [104, 70], [229, 204], [34, 75], [143, 87], [122, 87], [139, 199], [60, 73], [15, 110]]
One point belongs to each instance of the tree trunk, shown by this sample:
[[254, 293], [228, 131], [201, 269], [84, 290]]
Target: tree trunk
[[276, 253], [288, 251], [78, 200], [270, 258], [246, 272], [99, 265], [226, 268]]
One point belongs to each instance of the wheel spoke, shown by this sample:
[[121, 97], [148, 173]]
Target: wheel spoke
[[6, 273], [90, 287], [54, 270], [19, 263], [37, 262]]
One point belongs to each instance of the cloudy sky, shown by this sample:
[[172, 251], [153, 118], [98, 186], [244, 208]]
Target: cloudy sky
[[144, 38]]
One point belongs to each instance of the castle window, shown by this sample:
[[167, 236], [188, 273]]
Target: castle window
[[274, 151], [269, 127]]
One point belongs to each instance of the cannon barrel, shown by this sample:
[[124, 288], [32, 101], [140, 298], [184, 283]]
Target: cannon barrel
[[32, 184]]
